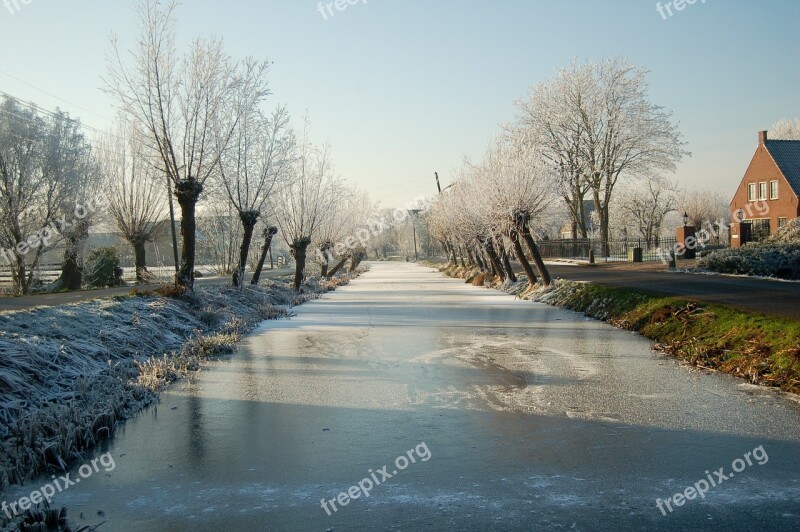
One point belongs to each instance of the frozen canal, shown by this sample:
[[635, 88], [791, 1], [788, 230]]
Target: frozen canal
[[508, 415]]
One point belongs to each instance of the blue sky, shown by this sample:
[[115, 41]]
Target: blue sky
[[403, 88]]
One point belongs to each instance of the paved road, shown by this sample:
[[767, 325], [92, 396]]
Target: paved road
[[757, 295], [487, 413], [65, 298]]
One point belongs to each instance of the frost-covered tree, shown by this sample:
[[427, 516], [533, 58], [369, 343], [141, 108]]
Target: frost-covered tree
[[704, 207], [547, 120], [308, 201], [521, 187], [346, 233], [188, 104], [257, 161], [597, 119], [23, 207], [221, 235], [645, 205], [137, 202], [47, 190], [785, 130]]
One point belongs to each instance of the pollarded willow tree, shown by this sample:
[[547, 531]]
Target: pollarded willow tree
[[307, 202], [188, 104], [521, 187], [500, 201], [346, 234], [257, 162], [596, 125], [136, 203]]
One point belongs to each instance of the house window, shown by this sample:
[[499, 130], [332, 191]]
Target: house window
[[751, 192], [762, 190], [773, 190], [781, 223]]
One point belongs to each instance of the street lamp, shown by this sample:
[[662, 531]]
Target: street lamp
[[685, 219]]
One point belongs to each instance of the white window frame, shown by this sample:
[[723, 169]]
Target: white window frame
[[762, 190], [752, 190], [773, 192]]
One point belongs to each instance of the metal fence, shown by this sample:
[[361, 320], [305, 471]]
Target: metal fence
[[615, 250]]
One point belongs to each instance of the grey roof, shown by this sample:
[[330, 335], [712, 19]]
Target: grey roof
[[786, 154]]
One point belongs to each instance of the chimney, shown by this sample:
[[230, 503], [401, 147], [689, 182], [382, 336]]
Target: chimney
[[762, 137]]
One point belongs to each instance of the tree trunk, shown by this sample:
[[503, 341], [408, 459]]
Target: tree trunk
[[71, 268], [326, 257], [537, 257], [604, 234], [357, 258], [299, 248], [489, 263], [268, 234], [453, 253], [249, 219], [338, 267], [507, 264], [470, 258], [479, 259], [496, 266], [71, 272], [188, 193], [523, 260], [141, 261]]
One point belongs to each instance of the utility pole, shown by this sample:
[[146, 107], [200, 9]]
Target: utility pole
[[437, 182]]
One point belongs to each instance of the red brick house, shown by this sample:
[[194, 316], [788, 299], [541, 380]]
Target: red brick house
[[767, 197]]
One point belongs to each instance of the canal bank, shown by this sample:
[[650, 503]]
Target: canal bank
[[762, 349]]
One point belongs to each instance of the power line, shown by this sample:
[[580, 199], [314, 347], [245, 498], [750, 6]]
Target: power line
[[51, 94]]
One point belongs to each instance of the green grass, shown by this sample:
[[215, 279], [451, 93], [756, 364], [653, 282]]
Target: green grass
[[762, 349]]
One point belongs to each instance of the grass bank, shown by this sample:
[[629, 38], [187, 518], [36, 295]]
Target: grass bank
[[761, 349], [70, 374]]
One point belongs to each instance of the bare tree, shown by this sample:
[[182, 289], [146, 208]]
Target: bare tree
[[704, 206], [785, 130], [46, 178], [520, 186], [605, 127], [221, 233], [345, 235], [547, 123], [189, 106], [136, 204], [257, 161], [647, 204], [307, 202], [23, 206]]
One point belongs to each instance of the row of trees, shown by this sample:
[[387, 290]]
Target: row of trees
[[575, 137], [497, 205], [595, 125], [200, 116], [191, 127]]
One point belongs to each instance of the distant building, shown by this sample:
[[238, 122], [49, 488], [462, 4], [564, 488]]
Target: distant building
[[767, 197]]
